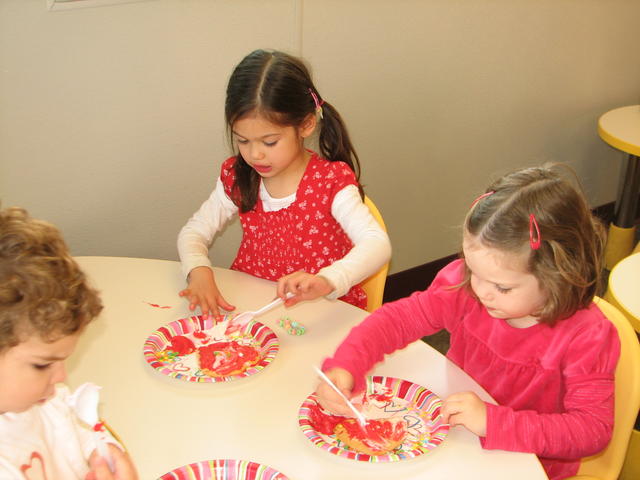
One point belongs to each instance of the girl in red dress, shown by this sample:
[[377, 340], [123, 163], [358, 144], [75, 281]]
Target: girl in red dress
[[303, 220]]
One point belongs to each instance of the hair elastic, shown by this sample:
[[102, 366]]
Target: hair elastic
[[318, 102], [484, 195], [534, 241]]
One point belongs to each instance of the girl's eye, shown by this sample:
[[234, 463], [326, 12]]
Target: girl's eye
[[270, 144], [41, 366], [242, 141], [502, 289]]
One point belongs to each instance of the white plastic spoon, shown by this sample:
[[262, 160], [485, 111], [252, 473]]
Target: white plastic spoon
[[359, 416], [84, 401]]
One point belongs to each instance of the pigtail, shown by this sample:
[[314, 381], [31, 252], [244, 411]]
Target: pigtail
[[334, 142]]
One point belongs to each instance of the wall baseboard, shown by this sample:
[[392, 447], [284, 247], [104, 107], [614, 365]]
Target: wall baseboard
[[402, 284]]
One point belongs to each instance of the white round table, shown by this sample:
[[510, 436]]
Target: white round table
[[624, 288], [167, 423]]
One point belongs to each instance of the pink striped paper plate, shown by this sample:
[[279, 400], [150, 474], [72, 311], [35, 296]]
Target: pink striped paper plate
[[164, 349], [384, 398], [224, 470]]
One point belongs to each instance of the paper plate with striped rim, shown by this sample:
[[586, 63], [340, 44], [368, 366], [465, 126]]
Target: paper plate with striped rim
[[385, 397], [174, 349], [224, 470]]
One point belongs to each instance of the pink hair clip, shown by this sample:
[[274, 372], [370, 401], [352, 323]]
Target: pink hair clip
[[534, 240], [484, 195], [317, 102]]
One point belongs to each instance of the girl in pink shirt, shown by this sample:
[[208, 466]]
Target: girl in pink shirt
[[518, 306], [304, 223]]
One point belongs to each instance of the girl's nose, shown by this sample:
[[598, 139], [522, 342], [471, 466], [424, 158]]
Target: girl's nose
[[256, 152]]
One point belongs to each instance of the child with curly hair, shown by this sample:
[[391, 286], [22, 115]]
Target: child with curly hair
[[45, 303]]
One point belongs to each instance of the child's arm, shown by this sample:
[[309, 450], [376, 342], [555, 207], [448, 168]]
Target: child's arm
[[392, 327], [124, 468], [468, 410], [585, 424], [194, 241], [329, 399], [203, 292], [371, 250], [371, 245], [304, 286]]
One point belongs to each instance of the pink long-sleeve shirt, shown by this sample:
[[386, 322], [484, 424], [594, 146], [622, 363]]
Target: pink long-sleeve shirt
[[554, 385]]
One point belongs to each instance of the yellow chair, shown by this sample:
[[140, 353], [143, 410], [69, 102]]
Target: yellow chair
[[622, 293], [374, 285], [607, 464]]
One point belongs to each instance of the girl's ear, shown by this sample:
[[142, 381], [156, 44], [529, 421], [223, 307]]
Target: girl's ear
[[308, 125]]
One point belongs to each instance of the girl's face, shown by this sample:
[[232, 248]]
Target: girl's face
[[502, 283], [30, 370], [272, 150]]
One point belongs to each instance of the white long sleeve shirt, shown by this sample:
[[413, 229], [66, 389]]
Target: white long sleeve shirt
[[371, 246], [46, 441]]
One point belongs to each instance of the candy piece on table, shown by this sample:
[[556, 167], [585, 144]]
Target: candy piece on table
[[84, 401], [291, 326]]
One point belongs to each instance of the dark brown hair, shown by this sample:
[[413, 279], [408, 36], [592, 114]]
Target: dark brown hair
[[43, 292], [278, 87], [568, 265]]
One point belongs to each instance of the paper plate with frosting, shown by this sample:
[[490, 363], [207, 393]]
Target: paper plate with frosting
[[191, 349], [404, 422], [224, 470]]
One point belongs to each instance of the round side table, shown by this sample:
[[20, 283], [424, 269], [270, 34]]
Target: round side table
[[620, 128], [624, 289]]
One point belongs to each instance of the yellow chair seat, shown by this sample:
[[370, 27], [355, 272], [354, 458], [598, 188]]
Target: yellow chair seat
[[374, 285], [607, 464]]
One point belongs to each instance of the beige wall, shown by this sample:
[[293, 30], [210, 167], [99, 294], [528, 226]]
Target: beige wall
[[111, 118]]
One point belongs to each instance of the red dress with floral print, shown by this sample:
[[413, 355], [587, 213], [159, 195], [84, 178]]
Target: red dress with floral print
[[303, 236]]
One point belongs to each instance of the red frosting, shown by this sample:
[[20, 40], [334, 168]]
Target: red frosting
[[181, 345], [376, 431], [382, 397], [236, 357], [202, 336], [321, 421]]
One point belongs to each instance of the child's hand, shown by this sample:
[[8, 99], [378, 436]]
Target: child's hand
[[99, 470], [328, 398], [203, 292], [304, 286], [466, 409]]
